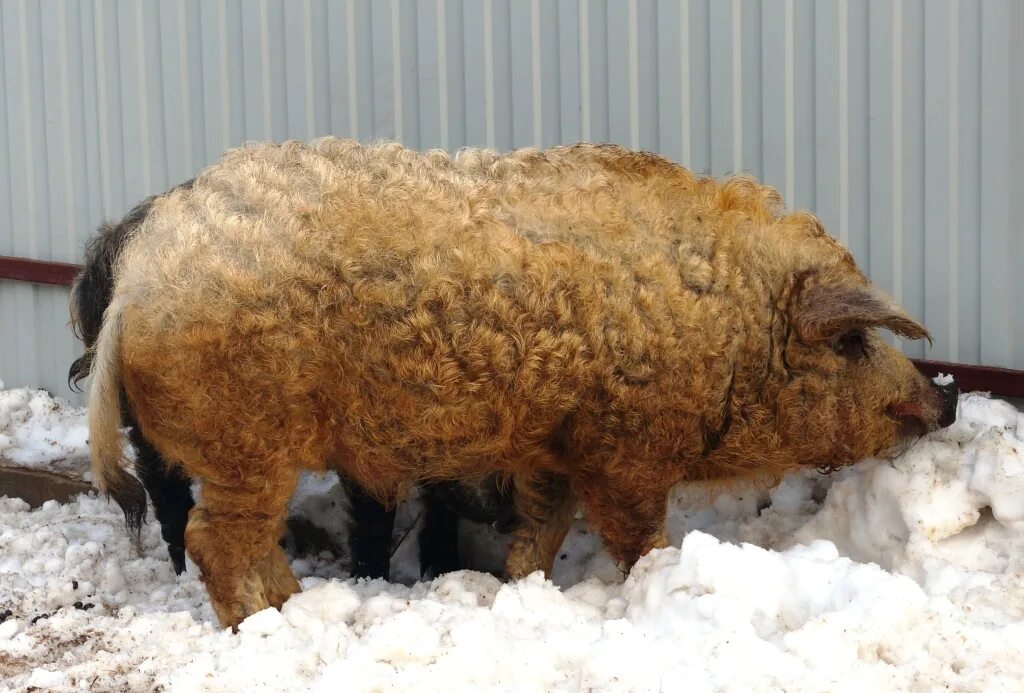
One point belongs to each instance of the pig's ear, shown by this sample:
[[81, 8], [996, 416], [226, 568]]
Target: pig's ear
[[826, 310]]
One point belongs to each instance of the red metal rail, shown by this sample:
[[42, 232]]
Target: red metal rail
[[1000, 381], [38, 271]]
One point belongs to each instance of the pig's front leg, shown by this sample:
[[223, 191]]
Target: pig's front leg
[[544, 507], [630, 520]]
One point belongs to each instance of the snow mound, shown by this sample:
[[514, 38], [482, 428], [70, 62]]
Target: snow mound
[[43, 432], [949, 512]]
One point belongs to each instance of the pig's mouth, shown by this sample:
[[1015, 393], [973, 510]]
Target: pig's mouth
[[911, 419]]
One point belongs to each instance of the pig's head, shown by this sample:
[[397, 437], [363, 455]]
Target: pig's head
[[848, 394]]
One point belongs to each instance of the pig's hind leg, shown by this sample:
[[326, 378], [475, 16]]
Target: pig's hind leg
[[170, 491], [369, 537], [232, 535]]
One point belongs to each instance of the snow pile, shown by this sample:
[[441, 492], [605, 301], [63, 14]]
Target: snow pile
[[949, 513], [890, 575], [39, 431]]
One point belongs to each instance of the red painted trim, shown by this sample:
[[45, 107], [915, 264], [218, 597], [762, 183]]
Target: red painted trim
[[37, 271], [998, 381]]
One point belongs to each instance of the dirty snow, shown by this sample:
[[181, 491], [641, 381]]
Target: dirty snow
[[886, 576]]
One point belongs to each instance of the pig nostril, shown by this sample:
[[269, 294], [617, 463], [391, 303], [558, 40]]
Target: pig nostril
[[948, 416], [950, 395]]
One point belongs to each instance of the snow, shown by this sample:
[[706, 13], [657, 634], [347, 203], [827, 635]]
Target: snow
[[886, 576], [42, 432]]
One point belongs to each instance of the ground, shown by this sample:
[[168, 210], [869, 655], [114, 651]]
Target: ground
[[902, 575]]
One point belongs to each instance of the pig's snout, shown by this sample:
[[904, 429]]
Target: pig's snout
[[948, 396], [920, 416]]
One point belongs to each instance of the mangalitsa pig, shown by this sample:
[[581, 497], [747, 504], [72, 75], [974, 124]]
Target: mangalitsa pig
[[593, 324]]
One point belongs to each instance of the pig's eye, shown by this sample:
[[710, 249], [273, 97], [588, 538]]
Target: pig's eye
[[853, 344]]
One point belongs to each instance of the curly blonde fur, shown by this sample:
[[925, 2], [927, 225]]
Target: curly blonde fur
[[597, 324]]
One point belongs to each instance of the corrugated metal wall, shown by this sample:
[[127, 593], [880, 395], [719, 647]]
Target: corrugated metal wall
[[901, 123]]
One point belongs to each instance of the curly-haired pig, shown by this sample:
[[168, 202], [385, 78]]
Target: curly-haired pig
[[592, 324]]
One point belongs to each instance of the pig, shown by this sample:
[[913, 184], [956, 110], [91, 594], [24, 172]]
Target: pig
[[590, 325]]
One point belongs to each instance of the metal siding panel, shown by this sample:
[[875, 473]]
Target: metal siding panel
[[381, 83], [598, 67], [192, 54], [59, 180], [940, 169], [336, 72], [45, 314], [212, 63], [295, 92], [969, 181], [881, 149], [254, 74], [319, 62], [11, 370], [76, 125], [20, 120], [568, 85], [428, 67], [752, 155], [501, 56], [699, 59], [276, 81], [233, 73], [455, 63], [159, 175], [478, 100], [912, 209], [803, 194], [648, 77], [408, 73], [1015, 280], [777, 104], [19, 323], [618, 99], [365, 77], [858, 182], [7, 234], [724, 156], [177, 130], [39, 145], [551, 74], [135, 161], [996, 83], [827, 132], [36, 347], [671, 116], [521, 74], [87, 138]]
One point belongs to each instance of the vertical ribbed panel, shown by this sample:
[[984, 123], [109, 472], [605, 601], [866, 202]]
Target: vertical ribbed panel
[[897, 122]]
